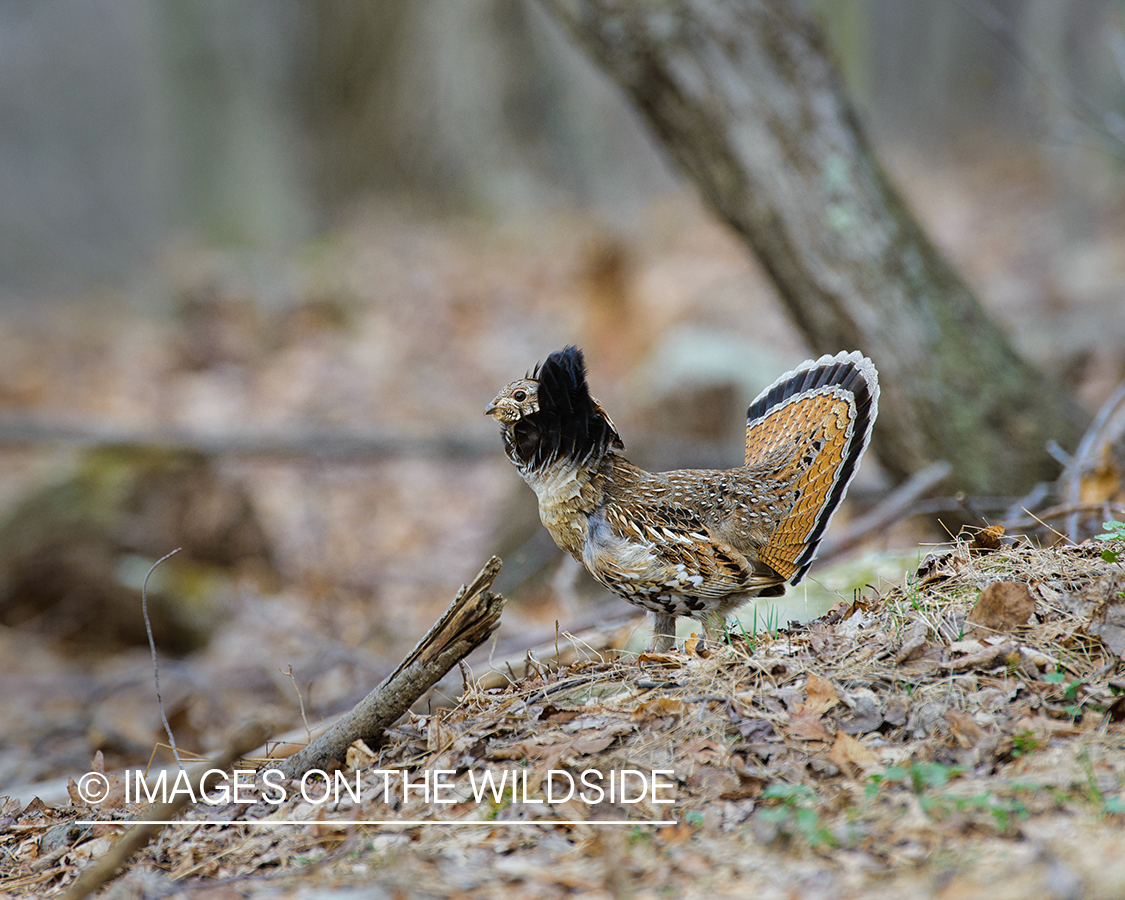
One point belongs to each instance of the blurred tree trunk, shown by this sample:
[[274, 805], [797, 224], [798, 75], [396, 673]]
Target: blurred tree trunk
[[742, 95]]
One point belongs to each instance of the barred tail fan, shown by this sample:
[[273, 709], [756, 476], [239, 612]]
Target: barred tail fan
[[821, 414]]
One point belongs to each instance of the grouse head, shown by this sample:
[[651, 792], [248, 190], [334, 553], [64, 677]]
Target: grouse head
[[551, 414]]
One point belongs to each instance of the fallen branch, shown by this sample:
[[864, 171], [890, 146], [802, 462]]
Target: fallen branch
[[296, 442], [472, 616], [150, 824], [19, 431], [1105, 509], [1104, 430]]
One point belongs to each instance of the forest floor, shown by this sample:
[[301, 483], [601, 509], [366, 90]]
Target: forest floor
[[887, 748], [959, 734]]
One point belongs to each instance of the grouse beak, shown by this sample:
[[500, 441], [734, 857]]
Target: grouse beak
[[490, 409]]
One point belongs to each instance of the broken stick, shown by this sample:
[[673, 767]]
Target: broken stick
[[472, 616]]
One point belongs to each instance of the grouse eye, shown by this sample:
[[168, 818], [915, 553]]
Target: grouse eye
[[519, 396]]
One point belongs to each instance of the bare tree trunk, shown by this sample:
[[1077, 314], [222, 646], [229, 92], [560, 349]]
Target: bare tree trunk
[[741, 93]]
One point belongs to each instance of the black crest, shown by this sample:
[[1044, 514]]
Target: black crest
[[569, 423]]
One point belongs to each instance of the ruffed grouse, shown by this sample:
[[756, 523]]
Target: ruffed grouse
[[690, 542]]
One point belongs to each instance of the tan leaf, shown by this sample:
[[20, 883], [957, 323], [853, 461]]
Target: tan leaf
[[593, 743], [659, 708], [536, 747], [712, 782], [807, 728], [106, 792], [703, 750], [821, 696], [360, 756], [987, 539], [850, 755], [1044, 727], [1002, 606], [675, 834], [988, 656], [965, 731]]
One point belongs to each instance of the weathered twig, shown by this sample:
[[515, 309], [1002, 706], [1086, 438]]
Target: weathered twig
[[472, 616], [1106, 509], [148, 827], [1092, 443], [291, 442], [155, 663]]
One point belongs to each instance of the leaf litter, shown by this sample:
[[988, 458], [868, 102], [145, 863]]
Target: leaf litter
[[935, 737]]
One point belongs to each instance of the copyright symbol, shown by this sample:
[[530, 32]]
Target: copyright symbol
[[93, 788]]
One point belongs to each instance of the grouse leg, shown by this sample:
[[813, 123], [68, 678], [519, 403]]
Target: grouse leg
[[663, 633]]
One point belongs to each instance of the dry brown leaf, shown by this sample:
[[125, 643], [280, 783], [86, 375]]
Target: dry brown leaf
[[866, 712], [984, 654], [554, 744], [1108, 625], [529, 748], [675, 834], [592, 743], [807, 728], [664, 660], [359, 756], [923, 666], [985, 540], [821, 696], [965, 731], [1044, 727], [557, 716], [914, 643], [109, 789], [706, 751], [713, 782], [850, 756], [1002, 606], [659, 708]]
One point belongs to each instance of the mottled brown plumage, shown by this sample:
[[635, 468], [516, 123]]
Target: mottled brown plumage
[[691, 542]]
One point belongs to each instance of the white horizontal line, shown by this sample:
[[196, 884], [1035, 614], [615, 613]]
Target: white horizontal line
[[381, 822]]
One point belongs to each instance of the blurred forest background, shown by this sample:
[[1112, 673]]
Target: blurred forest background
[[297, 245], [263, 125]]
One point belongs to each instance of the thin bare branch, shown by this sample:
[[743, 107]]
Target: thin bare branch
[[897, 505], [1108, 126], [292, 442], [155, 664], [1091, 444]]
